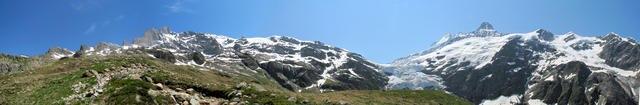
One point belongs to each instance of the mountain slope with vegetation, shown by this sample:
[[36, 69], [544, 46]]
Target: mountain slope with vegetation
[[108, 74]]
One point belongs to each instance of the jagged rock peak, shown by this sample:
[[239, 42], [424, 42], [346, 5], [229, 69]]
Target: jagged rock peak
[[84, 47], [569, 36], [612, 36], [544, 34], [485, 26], [151, 35], [58, 50], [165, 29], [104, 45]]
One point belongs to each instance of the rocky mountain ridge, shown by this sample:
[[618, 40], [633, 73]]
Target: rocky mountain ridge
[[524, 68], [297, 65]]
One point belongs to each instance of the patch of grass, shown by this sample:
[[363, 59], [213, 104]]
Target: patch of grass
[[55, 89], [428, 97], [264, 98], [41, 84], [100, 66]]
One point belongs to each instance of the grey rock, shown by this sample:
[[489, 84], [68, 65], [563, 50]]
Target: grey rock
[[149, 38], [58, 51], [619, 53], [485, 26], [191, 91], [343, 102], [82, 52], [7, 63], [198, 58], [545, 35], [148, 79], [105, 46], [291, 99], [241, 85]]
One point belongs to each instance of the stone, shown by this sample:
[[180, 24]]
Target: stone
[[185, 102], [153, 93], [241, 85], [184, 95], [193, 101], [204, 102], [181, 97], [236, 99], [159, 85], [291, 99], [148, 79], [238, 94], [273, 95], [191, 91], [90, 93], [342, 102], [305, 101], [88, 73]]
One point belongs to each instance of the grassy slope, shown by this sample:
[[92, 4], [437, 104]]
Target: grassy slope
[[49, 83]]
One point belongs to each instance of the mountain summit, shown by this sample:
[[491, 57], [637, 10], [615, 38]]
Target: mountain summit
[[487, 67], [485, 26]]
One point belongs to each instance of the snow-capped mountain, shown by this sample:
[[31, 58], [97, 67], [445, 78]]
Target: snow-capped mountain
[[296, 65], [485, 66]]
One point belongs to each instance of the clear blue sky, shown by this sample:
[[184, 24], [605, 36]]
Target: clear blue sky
[[379, 30]]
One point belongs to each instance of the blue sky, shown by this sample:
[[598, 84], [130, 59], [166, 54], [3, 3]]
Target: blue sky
[[380, 30]]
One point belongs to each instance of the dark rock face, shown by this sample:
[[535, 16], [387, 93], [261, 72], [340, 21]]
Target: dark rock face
[[574, 83], [568, 86], [607, 90], [198, 58], [368, 80], [583, 45], [354, 73], [621, 54], [506, 76], [293, 78], [248, 60], [82, 51], [306, 51], [571, 36], [207, 45], [164, 55], [545, 35]]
